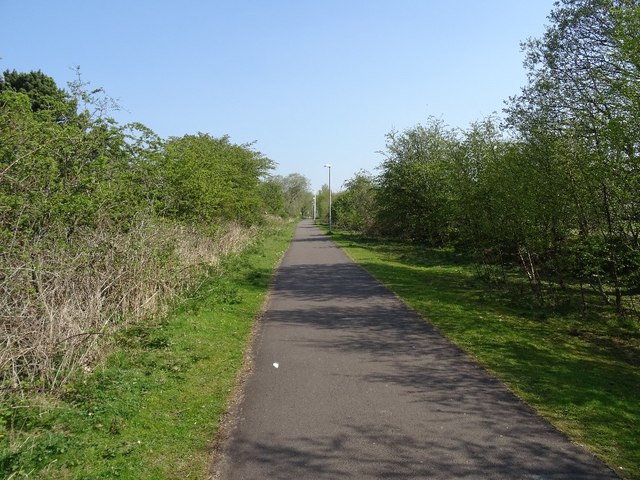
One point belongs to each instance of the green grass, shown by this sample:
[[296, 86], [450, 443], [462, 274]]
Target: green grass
[[152, 408], [582, 374]]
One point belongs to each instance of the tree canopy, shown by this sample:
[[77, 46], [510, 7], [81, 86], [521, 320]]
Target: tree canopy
[[555, 187]]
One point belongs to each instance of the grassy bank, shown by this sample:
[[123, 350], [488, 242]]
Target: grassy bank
[[152, 407], [581, 373]]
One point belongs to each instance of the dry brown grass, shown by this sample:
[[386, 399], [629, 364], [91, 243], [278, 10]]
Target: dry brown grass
[[61, 302]]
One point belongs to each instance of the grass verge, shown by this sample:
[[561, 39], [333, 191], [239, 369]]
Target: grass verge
[[152, 408], [582, 374]]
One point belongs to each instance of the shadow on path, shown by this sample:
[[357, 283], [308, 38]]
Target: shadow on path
[[349, 383]]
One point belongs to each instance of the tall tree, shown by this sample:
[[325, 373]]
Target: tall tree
[[582, 97], [414, 185]]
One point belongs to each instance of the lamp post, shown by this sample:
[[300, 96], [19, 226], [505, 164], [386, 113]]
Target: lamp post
[[314, 208], [328, 165]]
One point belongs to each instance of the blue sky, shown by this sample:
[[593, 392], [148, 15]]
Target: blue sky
[[311, 81]]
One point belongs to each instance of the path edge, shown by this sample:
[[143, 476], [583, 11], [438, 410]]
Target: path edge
[[217, 457]]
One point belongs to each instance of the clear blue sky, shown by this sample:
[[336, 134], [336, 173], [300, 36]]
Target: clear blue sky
[[312, 81]]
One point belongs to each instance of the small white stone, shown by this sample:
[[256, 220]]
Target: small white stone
[[276, 364]]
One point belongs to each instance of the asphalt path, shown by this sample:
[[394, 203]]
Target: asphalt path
[[349, 383]]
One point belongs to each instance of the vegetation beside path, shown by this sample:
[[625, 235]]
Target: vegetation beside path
[[580, 373], [152, 407]]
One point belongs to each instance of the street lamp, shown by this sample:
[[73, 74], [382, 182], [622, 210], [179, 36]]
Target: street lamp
[[314, 208], [328, 165]]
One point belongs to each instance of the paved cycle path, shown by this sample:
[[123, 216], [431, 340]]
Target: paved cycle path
[[365, 389]]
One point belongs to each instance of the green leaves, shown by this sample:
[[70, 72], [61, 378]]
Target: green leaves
[[208, 179], [43, 93], [563, 179], [355, 207], [61, 169], [95, 215], [415, 183], [582, 101], [296, 193]]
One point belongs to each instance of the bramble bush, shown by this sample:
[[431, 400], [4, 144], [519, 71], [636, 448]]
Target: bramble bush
[[101, 223]]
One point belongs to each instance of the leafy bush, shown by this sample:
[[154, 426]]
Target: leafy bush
[[100, 224]]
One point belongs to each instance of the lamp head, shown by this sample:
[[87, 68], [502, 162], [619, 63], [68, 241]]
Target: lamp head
[[328, 165]]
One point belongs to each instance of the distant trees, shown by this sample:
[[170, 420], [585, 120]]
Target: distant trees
[[296, 190], [355, 207], [322, 203]]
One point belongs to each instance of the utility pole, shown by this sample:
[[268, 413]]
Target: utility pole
[[328, 165], [314, 208]]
